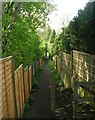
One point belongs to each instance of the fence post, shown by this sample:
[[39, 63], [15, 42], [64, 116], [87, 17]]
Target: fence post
[[19, 94], [75, 97], [23, 82], [22, 89], [33, 68], [28, 80], [72, 68], [53, 107], [14, 86], [3, 62], [61, 64], [30, 72]]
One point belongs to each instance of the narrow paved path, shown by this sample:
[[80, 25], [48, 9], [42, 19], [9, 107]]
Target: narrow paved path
[[41, 108]]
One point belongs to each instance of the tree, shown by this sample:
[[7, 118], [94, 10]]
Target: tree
[[20, 36], [80, 33], [52, 36]]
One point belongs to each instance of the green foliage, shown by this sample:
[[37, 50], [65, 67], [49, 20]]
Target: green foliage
[[79, 34], [58, 81], [51, 65], [52, 36], [81, 30], [55, 72], [27, 107], [35, 81], [20, 25], [32, 96]]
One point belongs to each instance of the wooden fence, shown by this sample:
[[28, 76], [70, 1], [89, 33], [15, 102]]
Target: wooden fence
[[78, 67], [15, 87], [63, 65], [8, 88]]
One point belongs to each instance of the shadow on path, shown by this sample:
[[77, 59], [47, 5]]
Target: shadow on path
[[41, 107]]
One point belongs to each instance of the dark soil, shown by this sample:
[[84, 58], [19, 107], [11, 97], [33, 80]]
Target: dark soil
[[64, 103], [41, 107]]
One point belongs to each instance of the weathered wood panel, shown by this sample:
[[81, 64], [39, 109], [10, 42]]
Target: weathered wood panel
[[19, 89], [66, 69], [1, 67], [83, 66], [8, 95]]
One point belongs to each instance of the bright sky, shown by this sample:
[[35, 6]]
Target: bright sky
[[66, 10]]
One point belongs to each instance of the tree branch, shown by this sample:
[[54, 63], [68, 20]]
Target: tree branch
[[14, 16]]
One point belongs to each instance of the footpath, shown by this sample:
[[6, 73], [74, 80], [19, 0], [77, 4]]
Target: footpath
[[41, 107]]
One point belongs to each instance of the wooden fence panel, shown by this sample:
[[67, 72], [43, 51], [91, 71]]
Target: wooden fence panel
[[19, 89], [59, 64], [26, 83], [8, 95], [54, 61], [66, 69], [1, 66], [83, 66], [17, 95], [77, 64]]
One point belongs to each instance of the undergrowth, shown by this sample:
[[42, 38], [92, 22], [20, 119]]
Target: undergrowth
[[34, 91], [58, 81]]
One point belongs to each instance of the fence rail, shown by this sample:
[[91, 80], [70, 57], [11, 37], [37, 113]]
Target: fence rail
[[15, 87]]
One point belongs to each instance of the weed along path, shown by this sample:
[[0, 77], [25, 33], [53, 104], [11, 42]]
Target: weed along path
[[41, 107]]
